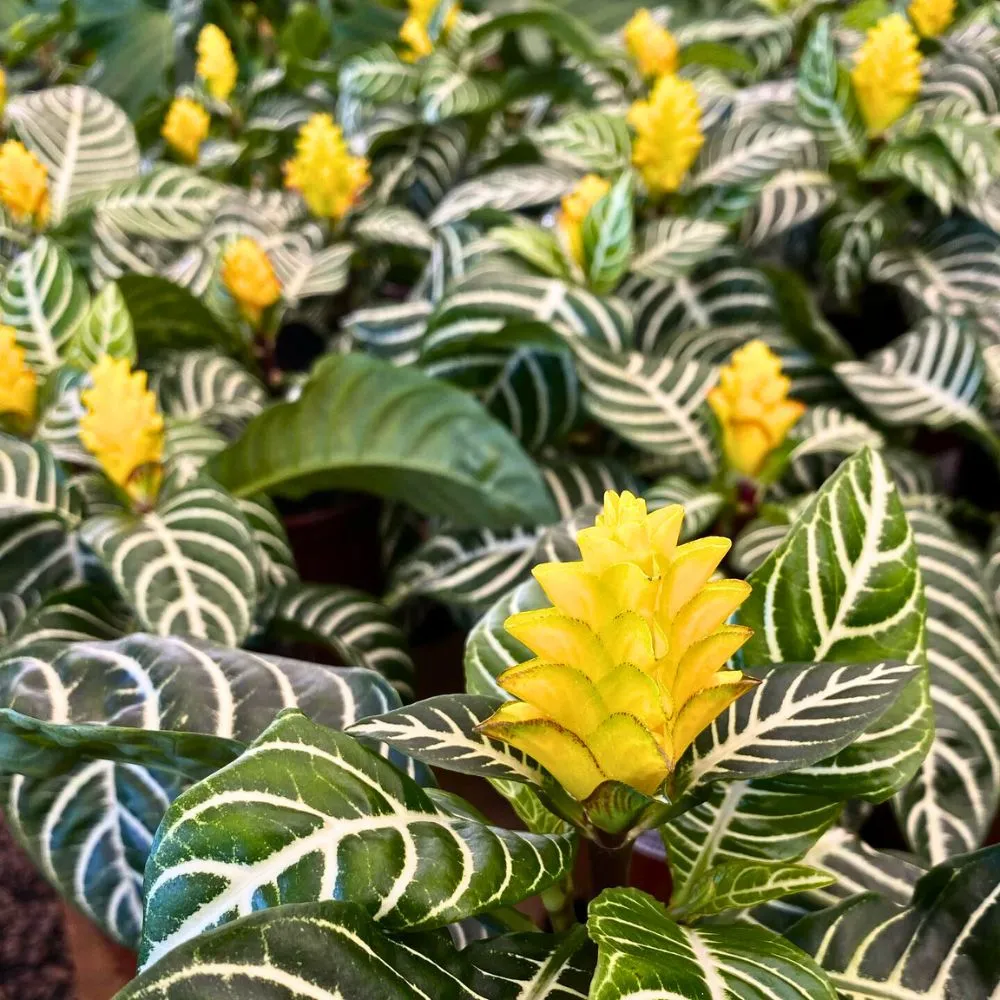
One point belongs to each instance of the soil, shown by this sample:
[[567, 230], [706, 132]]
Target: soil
[[34, 959]]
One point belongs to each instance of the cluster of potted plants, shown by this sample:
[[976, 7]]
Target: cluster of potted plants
[[655, 353]]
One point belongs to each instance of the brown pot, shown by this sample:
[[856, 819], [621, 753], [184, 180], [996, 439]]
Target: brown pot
[[101, 966]]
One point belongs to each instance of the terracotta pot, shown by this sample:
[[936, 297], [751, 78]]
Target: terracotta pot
[[101, 966]]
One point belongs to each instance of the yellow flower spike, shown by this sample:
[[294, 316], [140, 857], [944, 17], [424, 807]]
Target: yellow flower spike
[[323, 170], [575, 207], [632, 656], [216, 63], [18, 383], [415, 31], [24, 184], [122, 427], [931, 17], [185, 127], [752, 404], [249, 278], [668, 135], [652, 48], [886, 74]]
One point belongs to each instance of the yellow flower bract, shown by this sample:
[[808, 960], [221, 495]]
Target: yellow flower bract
[[630, 661], [668, 133], [186, 127], [415, 31], [122, 427], [886, 74], [575, 208], [323, 171], [24, 184], [652, 48], [216, 63], [18, 383], [931, 17], [249, 277], [752, 404]]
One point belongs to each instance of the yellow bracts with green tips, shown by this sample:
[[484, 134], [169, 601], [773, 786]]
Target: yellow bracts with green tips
[[630, 661]]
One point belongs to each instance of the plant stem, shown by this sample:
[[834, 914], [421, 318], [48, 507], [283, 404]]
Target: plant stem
[[609, 866], [558, 902]]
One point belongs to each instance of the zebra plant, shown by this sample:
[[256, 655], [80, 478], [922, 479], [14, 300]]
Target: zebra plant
[[309, 861]]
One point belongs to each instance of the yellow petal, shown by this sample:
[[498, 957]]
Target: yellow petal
[[630, 691], [600, 551], [692, 567], [565, 756], [560, 692], [705, 612], [699, 666], [628, 588], [628, 639], [574, 590], [665, 528], [626, 751], [552, 636], [703, 708]]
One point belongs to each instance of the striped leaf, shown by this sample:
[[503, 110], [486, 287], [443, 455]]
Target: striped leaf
[[209, 388], [465, 569], [826, 101], [353, 625], [933, 376], [657, 405], [850, 241], [40, 555], [750, 153], [45, 301], [847, 583], [106, 330], [393, 332], [758, 539], [765, 41], [933, 947], [954, 267], [856, 868], [642, 953], [950, 805], [798, 715], [371, 834], [171, 203], [577, 482], [31, 483], [187, 567], [440, 451], [791, 198], [743, 823], [305, 272], [737, 885], [534, 244], [448, 91], [507, 189], [90, 829], [607, 236], [924, 163], [187, 446], [669, 248], [392, 225], [442, 732], [379, 76], [274, 551], [585, 140], [702, 504], [85, 140]]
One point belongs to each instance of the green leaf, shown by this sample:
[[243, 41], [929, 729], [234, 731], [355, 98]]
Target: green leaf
[[31, 482], [392, 332], [409, 437], [41, 555], [85, 140], [586, 140], [737, 885], [743, 823], [442, 732], [849, 243], [798, 715], [848, 587], [949, 807], [643, 953], [392, 225], [105, 330], [353, 625], [923, 162], [45, 301], [607, 236], [379, 76], [168, 317], [826, 101], [534, 244], [187, 567], [669, 248], [90, 829], [937, 946], [702, 504], [791, 198], [171, 203], [370, 833], [565, 29], [448, 91], [933, 376], [658, 405], [506, 189]]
